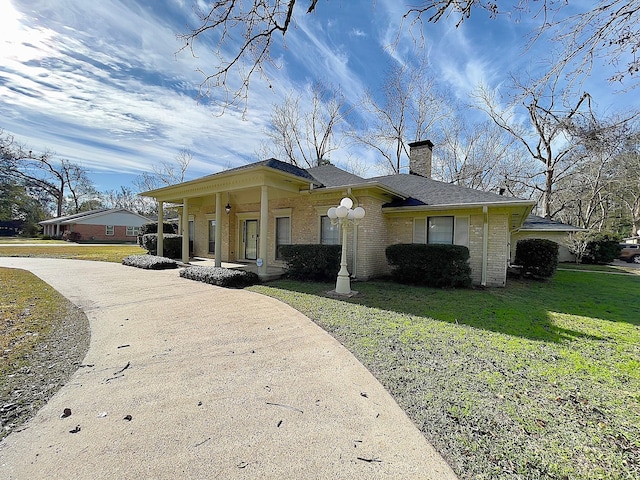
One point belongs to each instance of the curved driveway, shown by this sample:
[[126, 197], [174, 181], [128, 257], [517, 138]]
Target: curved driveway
[[218, 383]]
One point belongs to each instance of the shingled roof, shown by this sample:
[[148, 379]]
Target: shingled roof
[[332, 176], [426, 191]]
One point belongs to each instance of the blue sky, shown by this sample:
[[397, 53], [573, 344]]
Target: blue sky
[[99, 83]]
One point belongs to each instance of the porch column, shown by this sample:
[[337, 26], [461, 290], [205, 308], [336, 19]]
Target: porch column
[[160, 228], [185, 231], [218, 238], [58, 229], [264, 215]]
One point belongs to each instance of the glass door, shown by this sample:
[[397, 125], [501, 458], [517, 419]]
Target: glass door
[[250, 239]]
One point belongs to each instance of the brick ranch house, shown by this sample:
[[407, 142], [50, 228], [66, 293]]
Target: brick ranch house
[[244, 214], [101, 225]]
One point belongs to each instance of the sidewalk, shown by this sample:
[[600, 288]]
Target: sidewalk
[[219, 383]]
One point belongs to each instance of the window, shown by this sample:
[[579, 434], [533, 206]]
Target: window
[[109, 229], [329, 233], [283, 233], [440, 230], [132, 231], [433, 230], [212, 236]]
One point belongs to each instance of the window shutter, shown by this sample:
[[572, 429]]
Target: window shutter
[[419, 230], [461, 231]]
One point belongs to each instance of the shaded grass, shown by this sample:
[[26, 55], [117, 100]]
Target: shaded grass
[[100, 253], [43, 337], [537, 380], [28, 310]]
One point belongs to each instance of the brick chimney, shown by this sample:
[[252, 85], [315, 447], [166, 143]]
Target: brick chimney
[[420, 158]]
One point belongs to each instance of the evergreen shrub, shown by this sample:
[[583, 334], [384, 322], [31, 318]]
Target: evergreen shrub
[[602, 247], [222, 277], [152, 227], [432, 265], [311, 262], [149, 262], [538, 257], [171, 244]]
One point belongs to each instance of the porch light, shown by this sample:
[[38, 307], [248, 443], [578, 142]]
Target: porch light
[[227, 208], [344, 216]]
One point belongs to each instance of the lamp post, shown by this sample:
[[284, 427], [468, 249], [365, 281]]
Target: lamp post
[[343, 215]]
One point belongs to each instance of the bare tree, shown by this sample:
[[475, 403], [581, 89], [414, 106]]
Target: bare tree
[[304, 133], [412, 109], [627, 185], [165, 173], [126, 198], [545, 136], [591, 191], [481, 156], [608, 31], [244, 32], [44, 175]]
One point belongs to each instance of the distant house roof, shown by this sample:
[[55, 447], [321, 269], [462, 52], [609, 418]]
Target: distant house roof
[[541, 224], [78, 217]]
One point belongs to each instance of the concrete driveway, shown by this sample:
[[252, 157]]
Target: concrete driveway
[[218, 383]]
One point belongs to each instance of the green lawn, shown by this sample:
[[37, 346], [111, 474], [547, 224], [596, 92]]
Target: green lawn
[[101, 253], [536, 380]]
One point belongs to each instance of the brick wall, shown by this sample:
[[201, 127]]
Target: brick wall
[[98, 233], [374, 233]]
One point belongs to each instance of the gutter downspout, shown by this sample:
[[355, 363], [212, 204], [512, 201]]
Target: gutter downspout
[[485, 245]]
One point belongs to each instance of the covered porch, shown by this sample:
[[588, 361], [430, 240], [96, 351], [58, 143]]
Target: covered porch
[[230, 217]]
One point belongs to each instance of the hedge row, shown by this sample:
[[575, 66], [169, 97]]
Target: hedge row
[[432, 265], [222, 277], [311, 262], [149, 262]]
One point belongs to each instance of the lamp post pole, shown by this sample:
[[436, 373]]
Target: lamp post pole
[[343, 215]]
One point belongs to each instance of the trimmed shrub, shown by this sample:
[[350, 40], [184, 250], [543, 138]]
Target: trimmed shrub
[[311, 262], [152, 227], [602, 247], [538, 257], [149, 262], [222, 277], [171, 244], [432, 265]]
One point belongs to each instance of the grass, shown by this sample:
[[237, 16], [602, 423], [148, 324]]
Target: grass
[[14, 240], [536, 380], [101, 253], [621, 267]]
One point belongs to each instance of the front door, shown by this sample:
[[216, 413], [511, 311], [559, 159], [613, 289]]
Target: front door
[[192, 235], [250, 239]]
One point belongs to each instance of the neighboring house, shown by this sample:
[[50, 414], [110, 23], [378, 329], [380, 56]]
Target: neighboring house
[[245, 213], [101, 225], [539, 227]]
